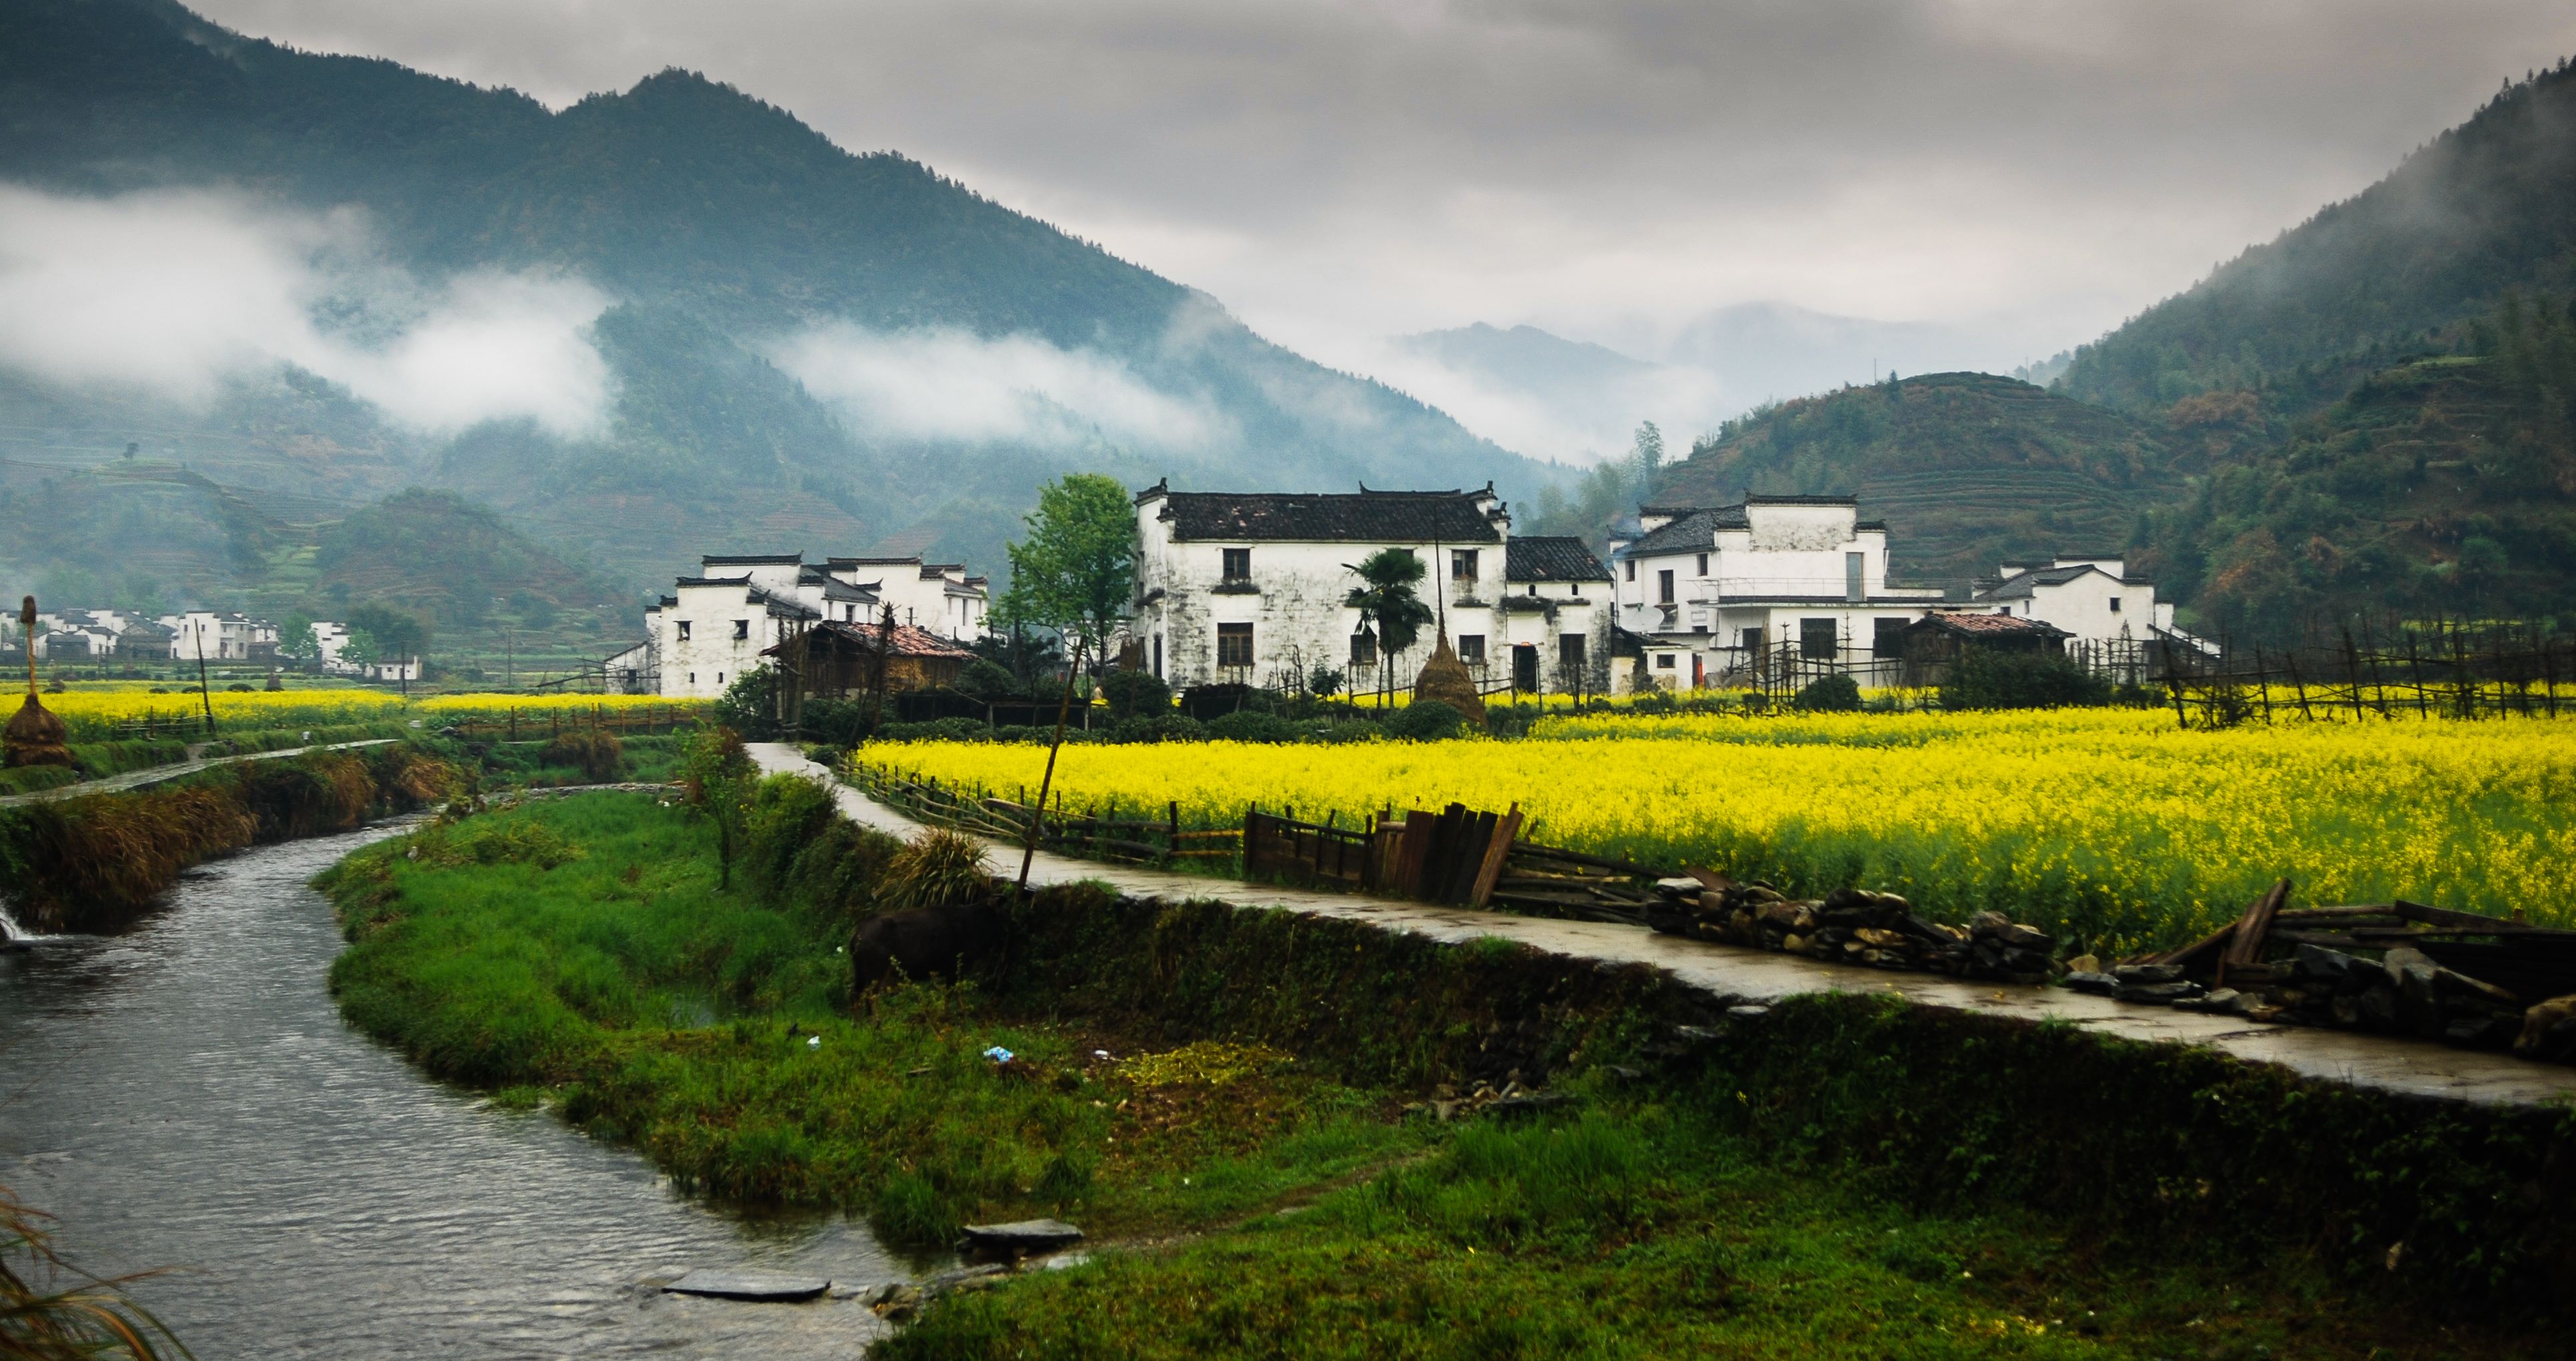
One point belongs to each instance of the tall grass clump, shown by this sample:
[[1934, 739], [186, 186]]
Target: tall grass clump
[[42, 1319], [937, 868]]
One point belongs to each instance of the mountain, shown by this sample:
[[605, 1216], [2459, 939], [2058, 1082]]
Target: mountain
[[1525, 357], [1767, 351], [2441, 485], [797, 346], [2486, 208], [1968, 469]]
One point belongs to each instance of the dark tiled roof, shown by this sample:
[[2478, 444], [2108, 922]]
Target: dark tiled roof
[[1785, 499], [833, 587], [2019, 587], [1988, 625], [781, 606], [1330, 517], [1551, 557], [1695, 532], [750, 559]]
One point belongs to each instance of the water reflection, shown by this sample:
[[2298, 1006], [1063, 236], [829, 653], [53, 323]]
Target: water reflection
[[185, 1094]]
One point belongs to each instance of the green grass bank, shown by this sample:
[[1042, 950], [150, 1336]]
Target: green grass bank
[[1835, 1177]]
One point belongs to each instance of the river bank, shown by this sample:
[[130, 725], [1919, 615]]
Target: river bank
[[1833, 1176], [184, 1094]]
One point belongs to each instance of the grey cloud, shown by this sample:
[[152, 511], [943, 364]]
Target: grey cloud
[[1337, 173], [175, 293]]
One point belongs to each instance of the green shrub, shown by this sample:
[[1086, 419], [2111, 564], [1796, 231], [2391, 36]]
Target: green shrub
[[1135, 694], [1245, 725], [1426, 720], [1830, 695], [1987, 679]]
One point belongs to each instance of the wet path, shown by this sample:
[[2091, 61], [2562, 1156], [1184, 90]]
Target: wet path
[[2412, 1067], [185, 1095]]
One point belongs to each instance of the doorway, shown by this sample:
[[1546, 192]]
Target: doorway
[[1525, 667]]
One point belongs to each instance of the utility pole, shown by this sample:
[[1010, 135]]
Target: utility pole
[[203, 697], [1063, 710]]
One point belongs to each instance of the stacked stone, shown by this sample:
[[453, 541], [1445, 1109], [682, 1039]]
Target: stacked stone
[[2403, 993], [1853, 926]]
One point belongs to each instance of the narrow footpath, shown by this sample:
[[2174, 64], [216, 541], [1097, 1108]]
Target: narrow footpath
[[1741, 976], [137, 779]]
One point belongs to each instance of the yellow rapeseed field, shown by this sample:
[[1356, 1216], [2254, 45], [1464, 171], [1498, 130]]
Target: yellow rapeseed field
[[2109, 823], [92, 711]]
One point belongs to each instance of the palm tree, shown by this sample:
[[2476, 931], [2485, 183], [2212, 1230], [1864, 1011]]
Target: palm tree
[[1388, 605]]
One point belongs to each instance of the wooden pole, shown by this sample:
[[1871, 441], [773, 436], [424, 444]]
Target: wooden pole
[[1063, 710]]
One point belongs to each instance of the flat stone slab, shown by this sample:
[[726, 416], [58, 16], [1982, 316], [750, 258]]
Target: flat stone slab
[[1023, 1235], [1756, 977], [757, 1286]]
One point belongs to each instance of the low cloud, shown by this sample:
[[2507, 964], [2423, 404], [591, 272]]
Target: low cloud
[[1016, 389], [180, 293]]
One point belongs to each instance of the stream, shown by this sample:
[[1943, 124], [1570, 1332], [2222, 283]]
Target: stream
[[184, 1095]]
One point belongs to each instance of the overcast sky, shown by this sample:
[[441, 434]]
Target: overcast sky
[[2031, 170]]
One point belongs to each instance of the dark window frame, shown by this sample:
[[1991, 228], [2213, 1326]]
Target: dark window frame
[[1236, 564], [1664, 586], [1463, 566], [1471, 648], [1233, 646]]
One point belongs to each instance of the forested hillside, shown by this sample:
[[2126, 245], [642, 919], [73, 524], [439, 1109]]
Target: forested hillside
[[719, 228], [2486, 208], [2445, 485], [1966, 468]]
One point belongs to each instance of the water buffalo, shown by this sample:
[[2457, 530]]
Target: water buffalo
[[926, 942]]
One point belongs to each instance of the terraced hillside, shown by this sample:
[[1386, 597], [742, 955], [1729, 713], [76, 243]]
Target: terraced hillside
[[2445, 485], [1966, 468]]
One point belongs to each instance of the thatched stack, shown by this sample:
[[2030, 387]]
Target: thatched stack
[[1445, 679]]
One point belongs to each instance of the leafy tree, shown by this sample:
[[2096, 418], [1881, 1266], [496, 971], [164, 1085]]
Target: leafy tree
[[1388, 605], [399, 636], [749, 705], [1649, 457], [1136, 694], [296, 640], [360, 649], [1324, 681], [1076, 570]]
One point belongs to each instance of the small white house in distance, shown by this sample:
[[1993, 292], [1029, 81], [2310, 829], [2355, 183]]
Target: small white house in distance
[[713, 627], [220, 637], [1718, 592], [2103, 610], [935, 597], [1250, 588]]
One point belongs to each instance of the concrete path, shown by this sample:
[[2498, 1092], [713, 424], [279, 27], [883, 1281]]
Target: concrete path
[[136, 779], [1759, 976]]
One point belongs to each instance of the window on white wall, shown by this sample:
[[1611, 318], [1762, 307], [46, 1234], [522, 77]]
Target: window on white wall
[[2115, 604]]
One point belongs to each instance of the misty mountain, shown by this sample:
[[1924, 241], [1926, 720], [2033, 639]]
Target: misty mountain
[[1968, 469], [2486, 208], [661, 321], [1770, 351], [1528, 358]]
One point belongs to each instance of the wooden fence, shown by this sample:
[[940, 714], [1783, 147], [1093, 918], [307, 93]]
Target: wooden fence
[[1457, 856], [2420, 669]]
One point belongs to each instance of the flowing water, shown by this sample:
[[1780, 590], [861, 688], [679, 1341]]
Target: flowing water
[[184, 1095]]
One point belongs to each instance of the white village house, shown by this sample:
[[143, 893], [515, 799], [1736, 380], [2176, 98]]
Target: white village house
[[1717, 593], [220, 637], [1249, 588], [2109, 616], [715, 625], [936, 597]]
